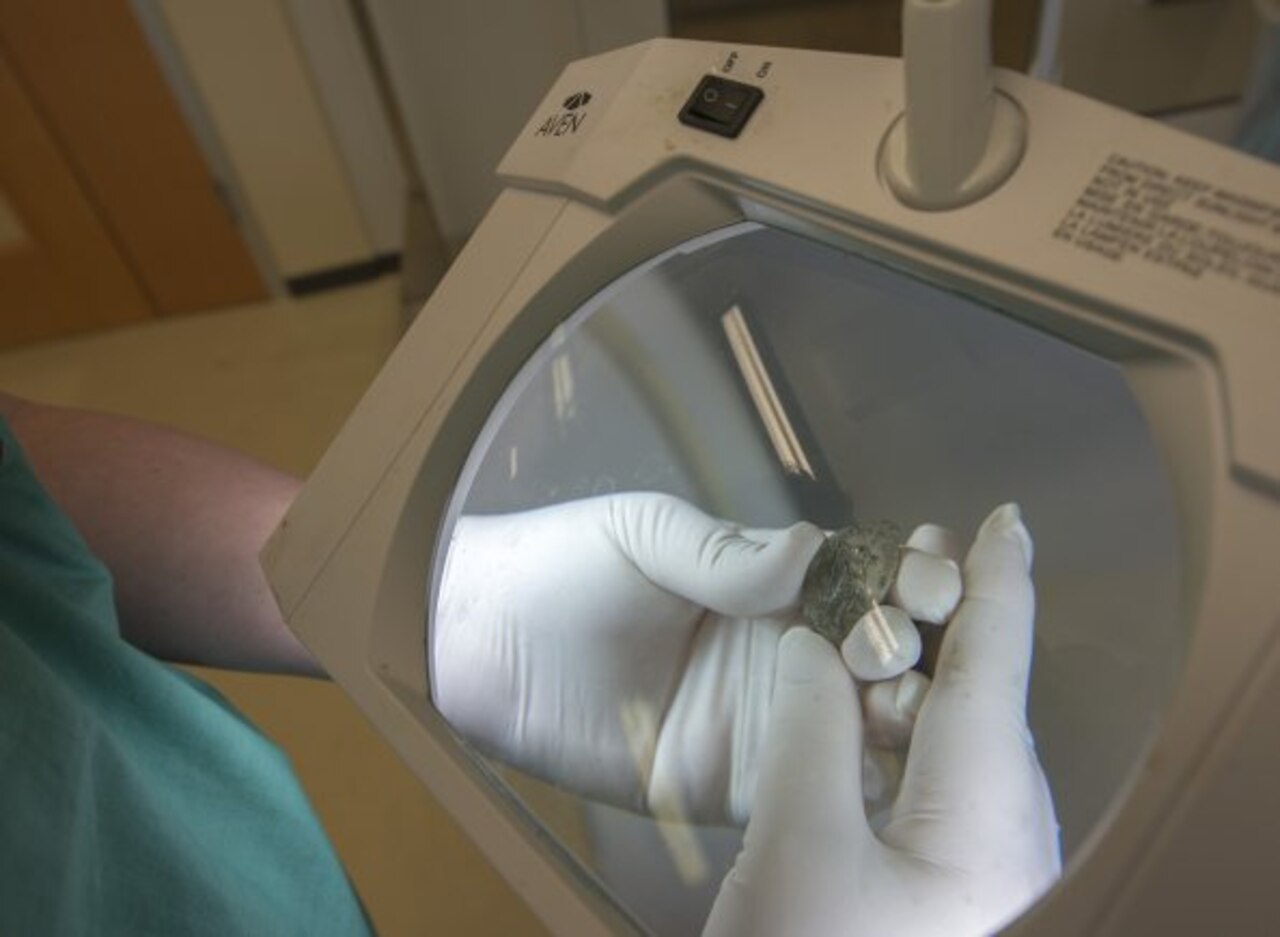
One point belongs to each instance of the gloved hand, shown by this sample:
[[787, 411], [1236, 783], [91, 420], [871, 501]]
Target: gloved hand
[[621, 646], [971, 839]]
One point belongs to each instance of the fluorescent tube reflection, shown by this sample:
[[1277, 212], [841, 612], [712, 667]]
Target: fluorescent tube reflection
[[776, 424]]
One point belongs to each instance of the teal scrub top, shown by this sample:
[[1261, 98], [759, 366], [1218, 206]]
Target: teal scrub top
[[133, 799]]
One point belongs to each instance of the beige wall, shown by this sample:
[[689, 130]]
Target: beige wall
[[1153, 57], [468, 75], [329, 37], [254, 84]]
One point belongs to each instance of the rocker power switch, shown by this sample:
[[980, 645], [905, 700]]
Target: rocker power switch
[[721, 106]]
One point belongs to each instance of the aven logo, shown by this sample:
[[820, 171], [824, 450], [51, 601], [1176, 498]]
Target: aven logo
[[568, 119]]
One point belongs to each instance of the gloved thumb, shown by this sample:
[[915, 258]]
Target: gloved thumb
[[743, 573], [811, 768], [809, 793]]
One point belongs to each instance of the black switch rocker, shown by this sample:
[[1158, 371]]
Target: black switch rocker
[[721, 106]]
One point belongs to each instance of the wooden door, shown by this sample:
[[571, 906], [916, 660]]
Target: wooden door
[[59, 270], [113, 215]]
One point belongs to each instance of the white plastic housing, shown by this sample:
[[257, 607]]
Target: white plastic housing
[[1189, 849], [958, 139]]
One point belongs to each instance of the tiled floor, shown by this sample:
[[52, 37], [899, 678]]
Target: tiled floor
[[277, 380]]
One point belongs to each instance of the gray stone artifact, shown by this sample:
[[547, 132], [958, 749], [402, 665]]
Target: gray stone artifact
[[849, 575]]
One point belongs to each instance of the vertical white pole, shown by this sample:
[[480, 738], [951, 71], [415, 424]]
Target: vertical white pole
[[946, 51], [958, 137]]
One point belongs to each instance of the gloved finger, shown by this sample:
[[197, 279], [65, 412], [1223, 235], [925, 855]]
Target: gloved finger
[[988, 644], [890, 708], [810, 782], [942, 590], [940, 541], [926, 587], [972, 777], [881, 778], [710, 562]]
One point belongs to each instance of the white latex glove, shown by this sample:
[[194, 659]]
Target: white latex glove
[[622, 646], [971, 840]]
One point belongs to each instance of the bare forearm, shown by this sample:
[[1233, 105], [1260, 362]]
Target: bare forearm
[[179, 522]]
